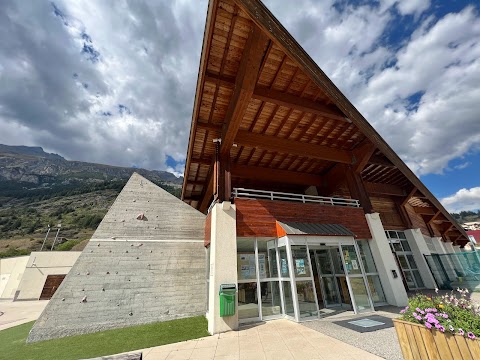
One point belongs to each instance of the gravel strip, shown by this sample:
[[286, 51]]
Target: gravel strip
[[383, 343]]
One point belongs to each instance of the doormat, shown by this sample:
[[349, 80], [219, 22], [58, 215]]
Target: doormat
[[366, 324]]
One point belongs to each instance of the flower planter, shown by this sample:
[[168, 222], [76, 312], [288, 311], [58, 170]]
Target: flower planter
[[418, 342]]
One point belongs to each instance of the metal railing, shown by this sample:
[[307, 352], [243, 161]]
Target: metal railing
[[274, 195]]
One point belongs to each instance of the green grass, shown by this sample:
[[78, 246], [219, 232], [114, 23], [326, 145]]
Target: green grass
[[13, 346]]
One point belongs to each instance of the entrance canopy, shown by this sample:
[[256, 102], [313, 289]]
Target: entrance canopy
[[267, 117]]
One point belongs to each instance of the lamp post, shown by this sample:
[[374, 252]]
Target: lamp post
[[56, 236], [46, 236]]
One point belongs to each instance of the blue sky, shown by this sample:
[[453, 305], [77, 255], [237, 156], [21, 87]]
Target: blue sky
[[114, 82]]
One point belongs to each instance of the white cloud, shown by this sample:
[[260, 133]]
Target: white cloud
[[420, 93], [463, 200]]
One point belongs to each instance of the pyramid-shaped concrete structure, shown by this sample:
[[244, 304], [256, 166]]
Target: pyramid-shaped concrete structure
[[144, 263]]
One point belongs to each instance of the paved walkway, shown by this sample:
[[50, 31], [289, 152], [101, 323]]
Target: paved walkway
[[278, 339], [13, 313]]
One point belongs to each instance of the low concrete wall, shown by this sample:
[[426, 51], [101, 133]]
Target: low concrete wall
[[11, 272], [39, 266]]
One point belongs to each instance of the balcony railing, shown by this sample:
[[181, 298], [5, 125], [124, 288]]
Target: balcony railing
[[274, 195]]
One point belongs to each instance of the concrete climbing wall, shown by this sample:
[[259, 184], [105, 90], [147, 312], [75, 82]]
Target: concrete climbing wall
[[144, 263]]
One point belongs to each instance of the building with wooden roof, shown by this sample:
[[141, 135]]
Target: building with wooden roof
[[273, 142]]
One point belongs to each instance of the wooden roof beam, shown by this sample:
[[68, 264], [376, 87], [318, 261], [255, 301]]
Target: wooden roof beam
[[293, 147], [383, 189], [245, 82], [298, 103], [283, 99], [362, 154], [275, 175], [424, 210], [378, 160]]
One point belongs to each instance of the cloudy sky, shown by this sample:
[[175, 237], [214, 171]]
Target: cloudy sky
[[113, 81]]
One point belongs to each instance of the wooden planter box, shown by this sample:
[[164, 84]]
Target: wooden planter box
[[418, 342]]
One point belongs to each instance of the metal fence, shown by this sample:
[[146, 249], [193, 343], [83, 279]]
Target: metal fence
[[455, 270]]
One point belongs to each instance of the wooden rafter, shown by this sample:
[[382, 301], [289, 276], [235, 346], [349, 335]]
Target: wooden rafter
[[293, 147], [275, 175], [244, 85]]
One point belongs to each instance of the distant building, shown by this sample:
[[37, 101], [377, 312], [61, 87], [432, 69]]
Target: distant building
[[36, 276]]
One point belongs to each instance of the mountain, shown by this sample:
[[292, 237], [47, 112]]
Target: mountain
[[35, 166], [38, 189]]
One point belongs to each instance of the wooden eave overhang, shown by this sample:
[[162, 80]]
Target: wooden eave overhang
[[282, 122]]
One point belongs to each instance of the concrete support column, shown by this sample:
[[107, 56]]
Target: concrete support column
[[457, 249], [419, 249], [393, 288], [223, 265], [438, 244]]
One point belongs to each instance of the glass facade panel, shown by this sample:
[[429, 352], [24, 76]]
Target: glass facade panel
[[403, 262], [247, 301], [288, 299], [267, 259], [409, 279], [397, 246], [405, 245], [360, 294], [282, 252], [301, 266], [331, 294], [324, 261], [411, 261], [306, 299], [337, 261], [351, 260], [418, 278], [376, 289], [246, 264], [271, 303], [367, 258]]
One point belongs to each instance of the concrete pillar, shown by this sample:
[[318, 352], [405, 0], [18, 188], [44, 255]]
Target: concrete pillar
[[393, 288], [419, 249], [223, 264], [438, 244]]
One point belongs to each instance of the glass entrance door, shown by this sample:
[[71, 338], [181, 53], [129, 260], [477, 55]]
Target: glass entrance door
[[355, 279], [327, 283]]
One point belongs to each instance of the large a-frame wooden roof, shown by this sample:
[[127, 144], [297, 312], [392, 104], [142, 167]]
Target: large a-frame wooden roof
[[283, 122]]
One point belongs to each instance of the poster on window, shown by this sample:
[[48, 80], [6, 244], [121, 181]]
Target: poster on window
[[246, 266], [354, 264], [261, 266], [300, 266]]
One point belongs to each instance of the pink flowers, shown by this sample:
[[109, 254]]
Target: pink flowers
[[428, 325], [470, 335], [461, 332]]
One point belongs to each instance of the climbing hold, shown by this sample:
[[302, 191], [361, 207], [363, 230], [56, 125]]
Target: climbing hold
[[98, 245], [151, 251], [141, 216], [103, 289], [116, 272], [63, 299], [130, 313], [126, 251], [108, 272], [88, 272], [138, 258], [84, 299]]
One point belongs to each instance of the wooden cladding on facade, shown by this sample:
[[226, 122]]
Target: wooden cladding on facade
[[256, 218], [208, 229], [389, 214]]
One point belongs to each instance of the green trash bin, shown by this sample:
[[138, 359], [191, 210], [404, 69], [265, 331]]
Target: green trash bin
[[227, 299]]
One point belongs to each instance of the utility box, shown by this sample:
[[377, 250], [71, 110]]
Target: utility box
[[227, 299]]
